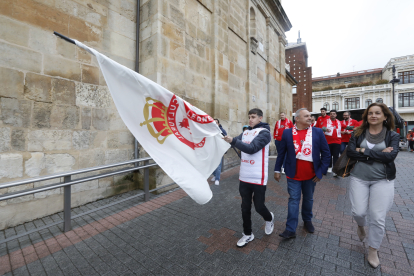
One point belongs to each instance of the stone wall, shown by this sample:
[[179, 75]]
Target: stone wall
[[201, 50], [56, 111]]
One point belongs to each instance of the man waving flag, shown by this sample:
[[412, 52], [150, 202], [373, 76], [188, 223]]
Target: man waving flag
[[184, 141]]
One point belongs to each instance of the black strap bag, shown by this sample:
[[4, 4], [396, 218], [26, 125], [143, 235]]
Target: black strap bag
[[344, 165]]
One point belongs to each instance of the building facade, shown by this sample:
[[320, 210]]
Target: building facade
[[349, 90], [360, 89], [297, 58], [339, 80], [404, 90], [56, 113]]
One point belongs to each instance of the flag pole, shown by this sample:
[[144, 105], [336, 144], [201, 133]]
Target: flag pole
[[64, 37], [236, 152]]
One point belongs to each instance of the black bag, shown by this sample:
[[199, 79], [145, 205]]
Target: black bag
[[344, 165]]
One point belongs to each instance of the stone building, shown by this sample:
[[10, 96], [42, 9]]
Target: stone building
[[56, 113], [297, 58]]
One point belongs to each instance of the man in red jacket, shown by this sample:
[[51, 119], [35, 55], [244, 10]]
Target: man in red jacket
[[321, 119], [348, 126], [332, 129], [280, 126]]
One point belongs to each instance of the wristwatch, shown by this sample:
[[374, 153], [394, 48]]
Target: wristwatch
[[360, 150]]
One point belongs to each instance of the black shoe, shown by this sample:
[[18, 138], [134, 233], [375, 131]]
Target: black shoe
[[288, 235], [309, 226]]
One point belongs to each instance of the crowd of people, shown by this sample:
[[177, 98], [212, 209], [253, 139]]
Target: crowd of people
[[314, 146]]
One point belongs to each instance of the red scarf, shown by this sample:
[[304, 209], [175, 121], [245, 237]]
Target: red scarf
[[303, 151]]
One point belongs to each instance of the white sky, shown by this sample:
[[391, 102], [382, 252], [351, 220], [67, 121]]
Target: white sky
[[351, 35]]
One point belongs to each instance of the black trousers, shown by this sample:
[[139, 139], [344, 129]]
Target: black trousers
[[411, 144], [258, 193], [334, 148]]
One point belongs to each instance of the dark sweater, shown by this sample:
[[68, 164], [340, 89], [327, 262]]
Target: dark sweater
[[259, 142]]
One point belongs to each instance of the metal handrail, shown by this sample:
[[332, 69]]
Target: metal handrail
[[68, 182], [42, 178], [77, 181]]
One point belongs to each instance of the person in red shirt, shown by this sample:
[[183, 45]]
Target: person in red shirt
[[313, 121], [332, 129], [410, 140], [280, 126], [307, 161], [321, 119], [349, 123]]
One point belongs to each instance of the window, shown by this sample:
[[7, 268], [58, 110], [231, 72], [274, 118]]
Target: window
[[326, 105], [406, 99], [368, 102], [347, 82], [379, 100], [406, 77], [294, 89], [351, 103], [335, 105]]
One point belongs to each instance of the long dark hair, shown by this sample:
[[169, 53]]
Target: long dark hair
[[388, 123]]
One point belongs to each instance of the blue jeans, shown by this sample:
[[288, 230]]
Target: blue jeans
[[343, 146], [295, 188], [277, 143], [217, 172]]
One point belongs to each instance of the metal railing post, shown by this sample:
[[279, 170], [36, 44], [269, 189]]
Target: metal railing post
[[146, 182], [67, 216]]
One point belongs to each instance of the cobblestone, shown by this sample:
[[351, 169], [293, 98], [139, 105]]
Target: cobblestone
[[172, 235]]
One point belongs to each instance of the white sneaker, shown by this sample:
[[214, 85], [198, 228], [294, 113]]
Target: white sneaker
[[334, 174], [216, 182], [269, 225], [329, 170], [213, 178], [245, 240], [283, 171]]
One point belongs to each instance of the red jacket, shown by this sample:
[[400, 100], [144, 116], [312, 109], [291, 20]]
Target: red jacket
[[321, 120], [345, 137], [334, 139], [284, 124]]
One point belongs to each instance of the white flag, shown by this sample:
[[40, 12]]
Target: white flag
[[184, 141]]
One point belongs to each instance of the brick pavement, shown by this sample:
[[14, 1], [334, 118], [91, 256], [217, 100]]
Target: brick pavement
[[172, 235]]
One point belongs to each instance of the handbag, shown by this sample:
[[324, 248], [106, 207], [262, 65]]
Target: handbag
[[344, 164]]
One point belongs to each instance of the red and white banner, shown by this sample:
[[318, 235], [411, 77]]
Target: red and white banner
[[184, 141]]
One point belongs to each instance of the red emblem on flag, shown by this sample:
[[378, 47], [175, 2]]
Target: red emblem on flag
[[162, 121]]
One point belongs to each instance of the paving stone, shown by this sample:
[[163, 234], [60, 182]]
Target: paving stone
[[183, 238]]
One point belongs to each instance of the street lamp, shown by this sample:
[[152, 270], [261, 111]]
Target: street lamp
[[393, 81]]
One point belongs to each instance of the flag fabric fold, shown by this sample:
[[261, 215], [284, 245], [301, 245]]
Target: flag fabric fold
[[183, 140]]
